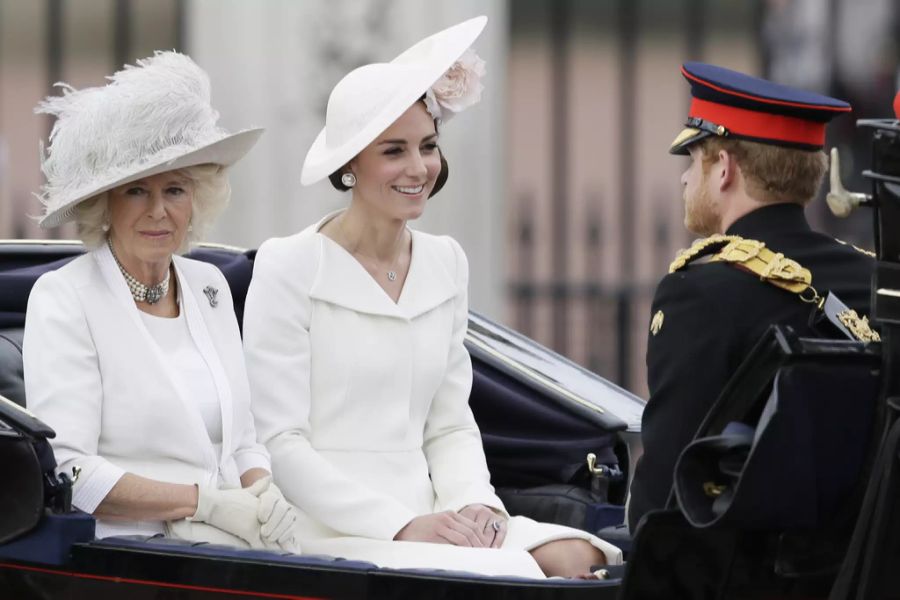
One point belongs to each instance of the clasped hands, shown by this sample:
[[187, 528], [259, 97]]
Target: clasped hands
[[476, 525], [259, 514]]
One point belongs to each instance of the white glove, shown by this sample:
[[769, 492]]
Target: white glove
[[278, 518], [198, 531], [233, 510]]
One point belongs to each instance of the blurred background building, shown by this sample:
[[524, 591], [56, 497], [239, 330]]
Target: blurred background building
[[561, 188]]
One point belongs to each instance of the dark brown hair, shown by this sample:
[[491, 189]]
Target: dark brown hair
[[336, 183]]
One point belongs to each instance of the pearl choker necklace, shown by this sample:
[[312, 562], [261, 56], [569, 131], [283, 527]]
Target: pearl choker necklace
[[151, 294]]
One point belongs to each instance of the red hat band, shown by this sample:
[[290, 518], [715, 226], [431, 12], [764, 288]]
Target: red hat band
[[754, 124]]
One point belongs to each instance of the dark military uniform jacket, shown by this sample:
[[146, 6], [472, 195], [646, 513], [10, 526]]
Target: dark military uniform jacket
[[708, 315]]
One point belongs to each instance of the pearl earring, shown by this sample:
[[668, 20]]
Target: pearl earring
[[105, 227], [348, 179]]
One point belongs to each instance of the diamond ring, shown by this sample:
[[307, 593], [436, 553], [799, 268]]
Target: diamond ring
[[495, 525]]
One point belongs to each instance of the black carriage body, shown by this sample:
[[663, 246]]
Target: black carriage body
[[538, 412]]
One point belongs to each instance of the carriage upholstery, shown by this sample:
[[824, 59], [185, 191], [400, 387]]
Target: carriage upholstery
[[11, 383]]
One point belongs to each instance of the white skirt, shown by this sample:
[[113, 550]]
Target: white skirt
[[512, 559]]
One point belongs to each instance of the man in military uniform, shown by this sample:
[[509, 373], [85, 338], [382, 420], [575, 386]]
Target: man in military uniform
[[756, 161]]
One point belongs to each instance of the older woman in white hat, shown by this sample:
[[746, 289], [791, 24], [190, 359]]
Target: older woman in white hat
[[131, 352], [354, 334]]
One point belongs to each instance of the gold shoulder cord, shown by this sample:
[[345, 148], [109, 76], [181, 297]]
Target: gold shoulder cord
[[773, 268], [700, 248], [857, 248]]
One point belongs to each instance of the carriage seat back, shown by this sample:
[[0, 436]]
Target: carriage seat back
[[12, 385]]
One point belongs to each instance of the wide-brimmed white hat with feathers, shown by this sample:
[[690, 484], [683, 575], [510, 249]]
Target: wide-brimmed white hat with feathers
[[370, 98], [151, 118]]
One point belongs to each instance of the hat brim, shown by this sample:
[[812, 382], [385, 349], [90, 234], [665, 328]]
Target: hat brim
[[443, 49], [688, 136], [224, 152]]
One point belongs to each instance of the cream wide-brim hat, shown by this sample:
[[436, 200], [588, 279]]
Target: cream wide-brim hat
[[151, 118], [224, 152], [369, 99]]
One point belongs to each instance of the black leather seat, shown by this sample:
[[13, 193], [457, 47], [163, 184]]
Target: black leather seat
[[12, 385], [20, 266]]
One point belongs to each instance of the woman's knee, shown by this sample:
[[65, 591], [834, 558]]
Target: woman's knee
[[567, 558]]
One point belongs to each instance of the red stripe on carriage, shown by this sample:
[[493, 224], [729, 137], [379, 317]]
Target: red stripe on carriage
[[751, 123], [179, 586]]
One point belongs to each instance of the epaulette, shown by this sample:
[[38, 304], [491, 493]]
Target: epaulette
[[750, 255], [857, 248], [702, 247], [776, 269], [771, 267]]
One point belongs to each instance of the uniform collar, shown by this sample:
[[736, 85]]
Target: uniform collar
[[773, 218]]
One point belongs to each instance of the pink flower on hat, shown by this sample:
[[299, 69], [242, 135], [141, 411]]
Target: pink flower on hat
[[459, 88]]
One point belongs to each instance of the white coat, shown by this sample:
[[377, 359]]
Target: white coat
[[363, 403], [95, 375]]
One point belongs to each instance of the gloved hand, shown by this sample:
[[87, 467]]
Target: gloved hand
[[234, 510], [278, 518], [198, 531]]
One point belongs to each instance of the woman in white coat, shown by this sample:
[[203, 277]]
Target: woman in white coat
[[354, 334], [132, 353]]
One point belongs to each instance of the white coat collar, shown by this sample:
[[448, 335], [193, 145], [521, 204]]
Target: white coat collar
[[340, 279], [199, 333]]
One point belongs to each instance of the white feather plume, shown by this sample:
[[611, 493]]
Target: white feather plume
[[149, 113]]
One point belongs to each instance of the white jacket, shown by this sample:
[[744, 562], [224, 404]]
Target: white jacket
[[364, 404], [97, 377], [358, 399]]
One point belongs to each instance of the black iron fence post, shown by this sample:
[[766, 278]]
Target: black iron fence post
[[121, 33], [627, 43], [54, 41], [559, 38], [525, 255], [181, 26]]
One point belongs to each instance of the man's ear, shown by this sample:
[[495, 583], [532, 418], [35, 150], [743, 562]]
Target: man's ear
[[726, 169]]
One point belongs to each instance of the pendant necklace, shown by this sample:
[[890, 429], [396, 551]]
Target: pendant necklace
[[391, 272]]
